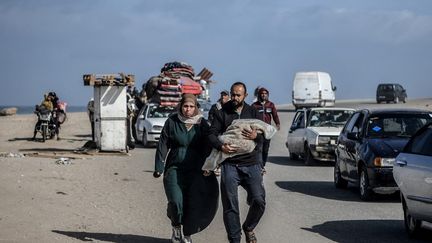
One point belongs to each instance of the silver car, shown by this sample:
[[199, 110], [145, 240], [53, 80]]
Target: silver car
[[314, 132], [413, 174], [150, 122]]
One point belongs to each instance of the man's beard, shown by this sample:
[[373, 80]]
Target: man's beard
[[238, 104]]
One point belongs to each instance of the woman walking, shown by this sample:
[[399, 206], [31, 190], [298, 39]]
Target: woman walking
[[180, 155]]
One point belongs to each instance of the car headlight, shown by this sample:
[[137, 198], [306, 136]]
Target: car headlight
[[384, 162], [157, 128], [323, 140]]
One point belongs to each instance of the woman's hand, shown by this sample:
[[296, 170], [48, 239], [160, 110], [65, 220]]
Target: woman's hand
[[207, 173], [156, 174]]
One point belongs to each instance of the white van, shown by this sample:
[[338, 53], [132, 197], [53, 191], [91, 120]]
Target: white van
[[313, 89]]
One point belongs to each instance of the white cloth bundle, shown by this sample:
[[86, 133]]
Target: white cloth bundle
[[233, 136]]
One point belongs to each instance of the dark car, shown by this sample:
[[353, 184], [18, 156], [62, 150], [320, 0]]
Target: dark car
[[413, 174], [368, 145], [390, 93]]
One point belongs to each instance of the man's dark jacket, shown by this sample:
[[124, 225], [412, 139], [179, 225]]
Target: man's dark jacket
[[222, 119]]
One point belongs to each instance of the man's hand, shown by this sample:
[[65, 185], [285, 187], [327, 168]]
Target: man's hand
[[249, 134], [228, 149]]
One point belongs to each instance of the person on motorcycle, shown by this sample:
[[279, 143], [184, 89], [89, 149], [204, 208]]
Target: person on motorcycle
[[46, 105], [54, 100]]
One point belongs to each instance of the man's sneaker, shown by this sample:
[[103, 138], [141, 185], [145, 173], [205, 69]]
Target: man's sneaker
[[187, 239], [176, 234]]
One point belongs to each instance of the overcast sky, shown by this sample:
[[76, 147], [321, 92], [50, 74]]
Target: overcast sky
[[49, 44]]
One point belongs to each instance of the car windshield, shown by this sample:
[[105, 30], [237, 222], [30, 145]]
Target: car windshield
[[329, 118], [396, 125], [386, 87], [159, 111]]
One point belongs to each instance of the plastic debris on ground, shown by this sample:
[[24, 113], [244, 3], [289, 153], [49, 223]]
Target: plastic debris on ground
[[64, 161], [12, 155]]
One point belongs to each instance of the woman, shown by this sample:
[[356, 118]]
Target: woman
[[180, 155]]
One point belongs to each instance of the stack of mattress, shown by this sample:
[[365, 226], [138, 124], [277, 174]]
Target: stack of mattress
[[176, 78]]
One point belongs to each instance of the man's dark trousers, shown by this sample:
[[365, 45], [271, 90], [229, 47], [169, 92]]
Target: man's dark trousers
[[265, 149], [250, 178]]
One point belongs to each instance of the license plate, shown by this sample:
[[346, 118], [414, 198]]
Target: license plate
[[332, 141]]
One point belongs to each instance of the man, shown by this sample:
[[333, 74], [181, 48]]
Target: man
[[90, 112], [267, 111], [45, 105], [218, 105], [244, 169], [54, 99]]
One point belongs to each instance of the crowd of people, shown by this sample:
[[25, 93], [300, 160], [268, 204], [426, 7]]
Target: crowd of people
[[185, 143]]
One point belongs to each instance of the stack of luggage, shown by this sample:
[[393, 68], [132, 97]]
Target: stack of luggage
[[176, 78]]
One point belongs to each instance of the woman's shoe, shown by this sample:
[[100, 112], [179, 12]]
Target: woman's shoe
[[176, 234], [187, 239]]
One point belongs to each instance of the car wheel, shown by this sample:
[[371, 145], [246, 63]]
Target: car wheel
[[308, 158], [412, 225], [144, 139], [365, 192], [396, 100], [293, 156], [404, 100], [339, 182]]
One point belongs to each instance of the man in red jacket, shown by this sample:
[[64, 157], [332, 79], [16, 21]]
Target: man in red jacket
[[267, 111]]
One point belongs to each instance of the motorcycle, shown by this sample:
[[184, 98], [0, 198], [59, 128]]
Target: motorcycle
[[45, 126]]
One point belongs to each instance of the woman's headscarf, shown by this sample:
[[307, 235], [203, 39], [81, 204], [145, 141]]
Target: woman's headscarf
[[196, 117]]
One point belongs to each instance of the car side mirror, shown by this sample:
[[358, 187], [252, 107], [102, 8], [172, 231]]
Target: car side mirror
[[292, 128], [353, 136], [334, 88], [141, 116]]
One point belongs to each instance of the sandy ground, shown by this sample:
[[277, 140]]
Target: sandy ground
[[102, 198]]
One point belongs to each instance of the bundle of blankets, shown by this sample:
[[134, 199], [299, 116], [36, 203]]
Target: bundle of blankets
[[175, 79], [233, 136]]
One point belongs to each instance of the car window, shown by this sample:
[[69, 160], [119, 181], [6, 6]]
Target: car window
[[350, 123], [358, 125], [298, 120], [421, 143], [326, 118], [159, 111], [399, 125], [386, 87]]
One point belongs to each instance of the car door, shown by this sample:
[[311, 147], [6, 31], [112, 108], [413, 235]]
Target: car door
[[414, 172], [343, 141], [139, 123], [296, 133], [354, 145]]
